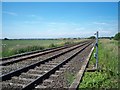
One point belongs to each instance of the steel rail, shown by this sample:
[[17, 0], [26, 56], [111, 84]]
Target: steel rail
[[24, 69], [37, 51], [34, 83], [35, 55]]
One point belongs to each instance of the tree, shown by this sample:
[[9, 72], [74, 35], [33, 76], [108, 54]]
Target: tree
[[6, 39], [92, 37], [79, 38], [117, 36]]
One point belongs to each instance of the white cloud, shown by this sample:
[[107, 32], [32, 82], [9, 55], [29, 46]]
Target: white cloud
[[38, 17], [106, 32], [10, 13], [56, 24], [81, 28], [32, 15], [31, 22], [52, 23], [100, 23]]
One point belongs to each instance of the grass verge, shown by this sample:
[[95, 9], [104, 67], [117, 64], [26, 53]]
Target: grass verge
[[108, 75]]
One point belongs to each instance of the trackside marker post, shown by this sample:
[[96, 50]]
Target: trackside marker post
[[96, 54]]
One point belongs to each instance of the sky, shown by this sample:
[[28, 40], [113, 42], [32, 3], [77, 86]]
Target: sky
[[58, 19]]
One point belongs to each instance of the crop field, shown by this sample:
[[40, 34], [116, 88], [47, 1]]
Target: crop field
[[12, 47], [107, 76]]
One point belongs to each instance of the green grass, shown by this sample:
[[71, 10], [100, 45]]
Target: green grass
[[12, 47], [108, 64], [70, 77]]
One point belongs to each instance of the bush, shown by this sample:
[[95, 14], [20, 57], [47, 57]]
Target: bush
[[67, 43], [52, 45], [28, 49], [70, 42], [92, 37], [6, 39], [117, 36]]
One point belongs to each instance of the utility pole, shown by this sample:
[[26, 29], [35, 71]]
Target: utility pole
[[96, 54]]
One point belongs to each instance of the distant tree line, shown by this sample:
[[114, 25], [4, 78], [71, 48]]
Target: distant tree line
[[116, 37], [44, 39], [106, 37]]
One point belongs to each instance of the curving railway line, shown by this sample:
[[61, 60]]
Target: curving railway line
[[42, 69]]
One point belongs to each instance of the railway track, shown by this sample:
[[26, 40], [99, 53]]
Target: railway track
[[36, 74], [23, 63], [21, 57]]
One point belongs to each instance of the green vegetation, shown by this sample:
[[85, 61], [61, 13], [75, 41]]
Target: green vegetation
[[117, 36], [92, 37], [6, 39], [93, 80], [107, 76], [70, 77], [21, 50], [12, 47], [53, 45]]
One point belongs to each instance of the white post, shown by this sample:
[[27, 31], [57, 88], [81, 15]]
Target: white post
[[97, 50]]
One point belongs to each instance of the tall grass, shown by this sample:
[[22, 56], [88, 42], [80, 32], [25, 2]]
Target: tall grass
[[21, 50], [12, 47], [108, 56], [108, 64]]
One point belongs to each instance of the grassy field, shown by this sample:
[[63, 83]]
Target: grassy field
[[108, 75], [11, 47]]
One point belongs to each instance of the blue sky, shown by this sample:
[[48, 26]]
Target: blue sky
[[60, 19]]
